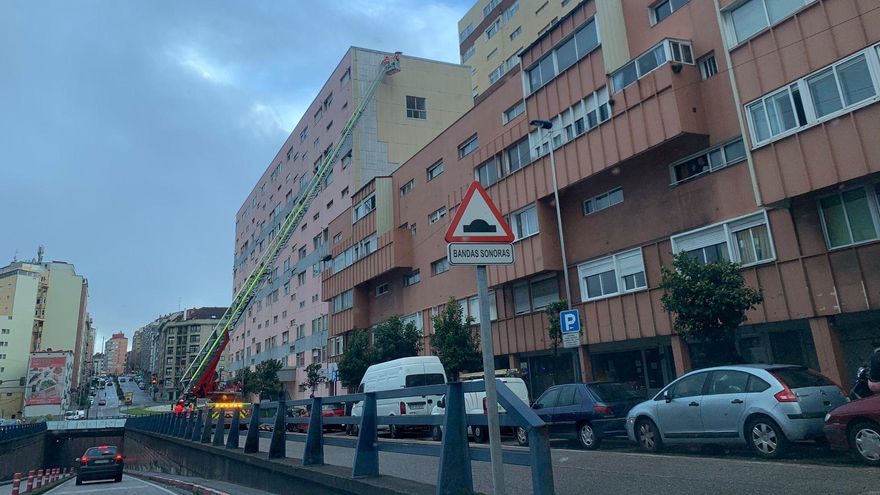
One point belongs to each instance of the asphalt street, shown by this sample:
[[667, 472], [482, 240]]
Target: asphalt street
[[114, 407], [128, 485]]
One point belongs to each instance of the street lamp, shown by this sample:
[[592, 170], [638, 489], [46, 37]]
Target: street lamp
[[546, 125]]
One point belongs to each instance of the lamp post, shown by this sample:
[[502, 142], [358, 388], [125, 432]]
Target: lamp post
[[546, 125]]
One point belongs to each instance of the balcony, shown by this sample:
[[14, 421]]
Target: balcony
[[394, 251]]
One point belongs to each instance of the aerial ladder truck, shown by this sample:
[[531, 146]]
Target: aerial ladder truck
[[200, 380]]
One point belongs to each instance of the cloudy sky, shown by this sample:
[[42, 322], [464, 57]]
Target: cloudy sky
[[131, 132]]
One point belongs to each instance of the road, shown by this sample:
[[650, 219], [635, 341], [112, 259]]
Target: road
[[114, 407], [128, 485]]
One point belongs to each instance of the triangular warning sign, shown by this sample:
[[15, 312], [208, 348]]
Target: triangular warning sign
[[478, 220]]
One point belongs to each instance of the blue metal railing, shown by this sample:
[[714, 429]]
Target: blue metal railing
[[11, 432], [454, 475]]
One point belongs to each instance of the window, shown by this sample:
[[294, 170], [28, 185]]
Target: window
[[585, 40], [711, 160], [615, 274], [487, 9], [666, 51], [524, 222], [440, 266], [328, 100], [708, 66], [365, 247], [753, 16], [301, 253], [516, 32], [337, 346], [346, 160], [850, 217], [513, 112], [465, 33], [301, 331], [300, 359], [318, 115], [415, 108], [300, 278], [412, 278], [382, 289], [468, 54], [518, 155], [585, 115], [364, 208], [436, 215], [665, 8], [435, 170], [488, 172], [549, 398], [776, 114], [842, 85], [535, 294], [468, 147], [303, 135], [745, 240], [727, 382], [343, 301], [416, 320], [346, 76], [689, 386], [337, 237], [406, 188], [604, 200]]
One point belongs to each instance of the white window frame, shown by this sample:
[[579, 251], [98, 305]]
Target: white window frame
[[872, 59], [408, 187], [514, 225], [416, 319], [705, 70], [513, 112], [527, 86], [730, 31], [343, 301], [668, 45], [468, 54], [437, 215], [585, 270], [873, 198], [434, 170], [441, 263], [672, 9], [529, 282], [412, 278], [596, 198], [739, 223], [722, 148], [382, 289], [363, 208], [464, 148]]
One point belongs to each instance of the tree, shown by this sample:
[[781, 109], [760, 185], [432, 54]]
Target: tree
[[394, 339], [453, 340], [709, 302], [554, 331], [267, 378], [248, 380], [314, 377], [357, 357]]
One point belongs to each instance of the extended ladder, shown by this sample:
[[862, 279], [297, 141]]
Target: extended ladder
[[199, 376]]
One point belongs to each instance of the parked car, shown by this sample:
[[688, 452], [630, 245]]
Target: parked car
[[70, 415], [400, 373], [584, 412], [475, 403], [328, 410], [102, 402], [100, 463], [765, 406], [856, 426]]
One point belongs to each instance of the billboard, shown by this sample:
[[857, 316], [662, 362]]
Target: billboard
[[46, 381]]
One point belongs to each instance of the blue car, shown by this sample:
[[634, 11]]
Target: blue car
[[584, 412]]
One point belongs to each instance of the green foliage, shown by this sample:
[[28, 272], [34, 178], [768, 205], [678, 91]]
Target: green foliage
[[454, 341], [358, 356], [554, 331], [267, 378], [392, 339], [709, 300], [314, 377], [248, 380]]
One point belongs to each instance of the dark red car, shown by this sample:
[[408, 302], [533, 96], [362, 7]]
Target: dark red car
[[856, 426], [328, 410]]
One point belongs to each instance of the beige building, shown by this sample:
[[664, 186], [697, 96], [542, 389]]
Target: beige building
[[493, 32], [180, 338], [19, 286], [114, 350]]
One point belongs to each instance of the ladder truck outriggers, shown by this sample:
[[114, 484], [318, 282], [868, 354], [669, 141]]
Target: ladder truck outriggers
[[200, 380]]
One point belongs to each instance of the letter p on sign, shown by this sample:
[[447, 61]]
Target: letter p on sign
[[570, 320]]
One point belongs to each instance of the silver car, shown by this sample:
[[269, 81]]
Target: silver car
[[764, 405]]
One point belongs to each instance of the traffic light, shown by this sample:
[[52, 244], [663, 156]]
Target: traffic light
[[154, 380]]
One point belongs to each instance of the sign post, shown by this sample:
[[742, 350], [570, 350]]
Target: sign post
[[478, 235]]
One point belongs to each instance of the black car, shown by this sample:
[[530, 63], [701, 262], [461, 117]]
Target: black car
[[585, 412], [104, 462]]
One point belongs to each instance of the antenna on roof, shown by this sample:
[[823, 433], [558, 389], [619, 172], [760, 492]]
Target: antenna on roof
[[40, 251]]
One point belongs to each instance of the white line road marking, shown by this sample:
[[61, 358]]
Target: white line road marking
[[97, 490]]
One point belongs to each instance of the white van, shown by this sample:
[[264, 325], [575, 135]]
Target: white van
[[400, 373], [475, 403]]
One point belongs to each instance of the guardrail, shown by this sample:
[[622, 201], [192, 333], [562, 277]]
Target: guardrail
[[11, 432], [85, 424], [454, 475]]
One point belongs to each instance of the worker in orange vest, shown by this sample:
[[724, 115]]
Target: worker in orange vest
[[179, 407]]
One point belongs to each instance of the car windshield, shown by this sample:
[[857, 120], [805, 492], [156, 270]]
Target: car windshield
[[96, 451], [614, 392], [800, 378]]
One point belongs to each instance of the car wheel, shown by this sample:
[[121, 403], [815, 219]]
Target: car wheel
[[481, 433], [864, 440], [522, 436], [79, 481], [766, 438], [586, 437], [436, 433], [648, 436]]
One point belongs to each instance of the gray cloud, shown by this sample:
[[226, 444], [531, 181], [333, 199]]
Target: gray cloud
[[130, 132]]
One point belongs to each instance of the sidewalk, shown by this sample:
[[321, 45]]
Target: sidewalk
[[191, 483]]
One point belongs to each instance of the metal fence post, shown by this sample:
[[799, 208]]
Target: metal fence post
[[455, 474], [196, 433], [366, 456], [314, 451], [542, 465], [252, 441], [206, 430], [234, 430], [181, 424], [278, 445], [218, 430], [166, 424], [188, 430]]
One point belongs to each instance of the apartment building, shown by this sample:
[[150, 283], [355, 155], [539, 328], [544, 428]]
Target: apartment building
[[659, 148], [181, 335], [288, 320], [114, 352], [493, 32], [42, 307]]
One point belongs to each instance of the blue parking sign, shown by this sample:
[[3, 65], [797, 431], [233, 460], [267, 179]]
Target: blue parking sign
[[570, 321]]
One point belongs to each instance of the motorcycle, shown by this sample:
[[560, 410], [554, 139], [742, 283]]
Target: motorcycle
[[861, 389]]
